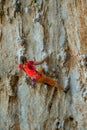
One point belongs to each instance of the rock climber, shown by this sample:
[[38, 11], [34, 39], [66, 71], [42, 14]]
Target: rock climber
[[36, 76]]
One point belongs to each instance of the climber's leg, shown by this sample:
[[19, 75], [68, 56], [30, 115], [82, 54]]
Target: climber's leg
[[41, 79], [52, 82], [57, 85], [49, 81]]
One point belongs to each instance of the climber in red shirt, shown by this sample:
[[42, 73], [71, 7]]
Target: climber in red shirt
[[36, 76]]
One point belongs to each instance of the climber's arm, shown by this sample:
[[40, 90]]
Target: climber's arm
[[41, 62]]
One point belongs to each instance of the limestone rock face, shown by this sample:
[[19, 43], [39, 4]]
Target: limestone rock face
[[35, 28]]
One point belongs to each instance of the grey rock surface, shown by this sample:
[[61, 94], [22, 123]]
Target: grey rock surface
[[35, 28]]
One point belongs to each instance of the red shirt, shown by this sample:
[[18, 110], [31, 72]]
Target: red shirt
[[30, 70]]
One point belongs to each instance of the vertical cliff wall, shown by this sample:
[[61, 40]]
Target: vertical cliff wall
[[35, 28]]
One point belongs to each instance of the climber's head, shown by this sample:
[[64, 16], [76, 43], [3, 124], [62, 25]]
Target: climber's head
[[23, 59]]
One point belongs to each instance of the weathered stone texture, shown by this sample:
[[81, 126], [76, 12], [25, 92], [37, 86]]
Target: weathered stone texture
[[34, 28]]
